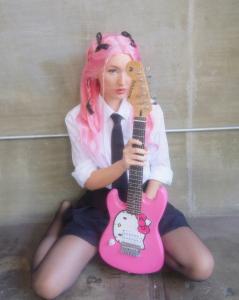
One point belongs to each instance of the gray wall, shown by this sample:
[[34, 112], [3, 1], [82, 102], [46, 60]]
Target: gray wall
[[192, 49]]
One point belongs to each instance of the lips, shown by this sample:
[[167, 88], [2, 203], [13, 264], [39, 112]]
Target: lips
[[121, 91]]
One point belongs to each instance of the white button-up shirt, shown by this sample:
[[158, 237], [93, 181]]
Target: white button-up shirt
[[157, 165]]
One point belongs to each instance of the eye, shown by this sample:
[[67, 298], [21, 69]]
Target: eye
[[112, 70]]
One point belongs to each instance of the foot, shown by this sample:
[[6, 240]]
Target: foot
[[65, 204], [56, 224]]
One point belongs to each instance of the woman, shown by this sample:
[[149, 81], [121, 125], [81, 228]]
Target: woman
[[73, 236]]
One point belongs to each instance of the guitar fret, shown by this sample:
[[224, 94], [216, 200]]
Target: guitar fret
[[132, 199], [135, 186], [135, 171], [140, 119], [135, 180], [138, 136], [133, 196], [139, 129], [136, 177], [139, 126], [136, 174], [132, 206], [134, 211], [135, 202]]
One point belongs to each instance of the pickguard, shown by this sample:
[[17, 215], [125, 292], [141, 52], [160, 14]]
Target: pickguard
[[127, 229]]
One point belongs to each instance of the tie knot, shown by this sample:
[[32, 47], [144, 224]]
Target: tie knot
[[116, 119]]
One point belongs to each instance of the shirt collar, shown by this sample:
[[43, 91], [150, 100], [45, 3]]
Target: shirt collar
[[124, 109]]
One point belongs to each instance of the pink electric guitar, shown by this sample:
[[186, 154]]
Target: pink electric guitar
[[131, 241]]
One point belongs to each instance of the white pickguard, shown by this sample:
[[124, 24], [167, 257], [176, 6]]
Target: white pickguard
[[126, 230]]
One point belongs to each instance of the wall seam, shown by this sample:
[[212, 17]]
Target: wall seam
[[191, 95]]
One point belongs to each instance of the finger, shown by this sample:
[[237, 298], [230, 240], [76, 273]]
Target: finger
[[138, 158], [139, 151], [137, 163], [135, 142]]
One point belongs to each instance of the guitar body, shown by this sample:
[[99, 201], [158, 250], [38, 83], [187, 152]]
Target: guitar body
[[131, 242]]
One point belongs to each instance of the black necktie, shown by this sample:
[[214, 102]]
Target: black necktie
[[117, 146]]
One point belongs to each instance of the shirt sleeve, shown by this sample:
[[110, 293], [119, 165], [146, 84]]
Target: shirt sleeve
[[82, 162], [160, 167]]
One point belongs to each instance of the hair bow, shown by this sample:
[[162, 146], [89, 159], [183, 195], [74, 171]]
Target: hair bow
[[128, 35], [99, 40]]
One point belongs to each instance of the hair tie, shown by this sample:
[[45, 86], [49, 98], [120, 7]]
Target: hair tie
[[128, 35], [99, 40]]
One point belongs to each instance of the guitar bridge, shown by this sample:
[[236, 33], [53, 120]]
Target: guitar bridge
[[130, 249]]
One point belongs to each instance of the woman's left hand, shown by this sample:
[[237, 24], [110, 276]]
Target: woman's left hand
[[152, 188]]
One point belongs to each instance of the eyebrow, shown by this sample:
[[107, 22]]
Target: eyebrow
[[113, 66]]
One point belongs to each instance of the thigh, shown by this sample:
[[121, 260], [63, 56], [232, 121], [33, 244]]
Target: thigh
[[63, 263], [184, 246]]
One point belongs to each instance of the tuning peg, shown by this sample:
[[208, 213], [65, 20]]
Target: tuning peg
[[147, 74], [149, 79]]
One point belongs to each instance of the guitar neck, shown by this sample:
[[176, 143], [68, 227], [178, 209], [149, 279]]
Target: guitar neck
[[136, 172]]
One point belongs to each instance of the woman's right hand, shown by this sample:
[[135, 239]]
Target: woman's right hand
[[134, 156]]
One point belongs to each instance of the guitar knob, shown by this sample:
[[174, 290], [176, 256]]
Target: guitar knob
[[111, 242]]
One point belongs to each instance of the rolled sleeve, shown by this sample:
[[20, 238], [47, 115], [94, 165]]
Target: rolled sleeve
[[160, 167], [82, 162], [162, 174], [83, 171]]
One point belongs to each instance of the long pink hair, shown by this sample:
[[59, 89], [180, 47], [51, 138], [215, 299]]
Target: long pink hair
[[90, 118]]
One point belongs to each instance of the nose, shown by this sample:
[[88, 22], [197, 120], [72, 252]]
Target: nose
[[123, 79]]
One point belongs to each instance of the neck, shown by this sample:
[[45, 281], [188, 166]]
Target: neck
[[114, 103]]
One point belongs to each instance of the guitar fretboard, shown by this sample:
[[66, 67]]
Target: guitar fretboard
[[136, 172]]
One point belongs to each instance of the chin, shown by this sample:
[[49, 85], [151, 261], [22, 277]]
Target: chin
[[119, 98], [122, 96]]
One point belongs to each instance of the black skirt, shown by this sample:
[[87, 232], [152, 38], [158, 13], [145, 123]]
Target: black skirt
[[89, 217]]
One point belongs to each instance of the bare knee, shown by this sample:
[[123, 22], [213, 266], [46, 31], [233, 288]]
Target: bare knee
[[202, 267], [45, 288]]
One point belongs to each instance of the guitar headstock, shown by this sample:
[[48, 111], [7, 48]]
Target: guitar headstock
[[139, 95]]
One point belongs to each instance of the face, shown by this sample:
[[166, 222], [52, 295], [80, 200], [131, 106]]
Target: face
[[114, 80]]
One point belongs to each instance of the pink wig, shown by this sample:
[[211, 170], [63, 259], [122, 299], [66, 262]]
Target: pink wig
[[100, 51]]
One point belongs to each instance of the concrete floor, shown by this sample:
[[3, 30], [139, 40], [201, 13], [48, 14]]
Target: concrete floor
[[98, 281]]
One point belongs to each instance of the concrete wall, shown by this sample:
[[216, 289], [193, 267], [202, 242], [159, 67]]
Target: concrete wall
[[191, 47]]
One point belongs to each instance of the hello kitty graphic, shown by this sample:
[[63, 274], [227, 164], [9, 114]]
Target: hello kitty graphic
[[131, 229]]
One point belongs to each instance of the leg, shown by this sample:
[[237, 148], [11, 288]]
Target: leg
[[187, 254], [50, 236], [61, 266]]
